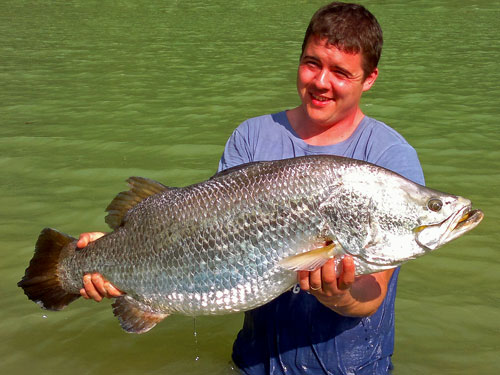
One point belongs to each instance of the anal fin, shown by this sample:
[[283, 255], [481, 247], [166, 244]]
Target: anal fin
[[135, 317], [311, 260]]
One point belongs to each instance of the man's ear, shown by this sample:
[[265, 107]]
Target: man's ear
[[370, 80]]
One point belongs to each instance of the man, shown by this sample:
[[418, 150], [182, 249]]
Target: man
[[332, 324]]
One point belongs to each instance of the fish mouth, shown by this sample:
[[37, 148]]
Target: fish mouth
[[436, 235], [469, 220]]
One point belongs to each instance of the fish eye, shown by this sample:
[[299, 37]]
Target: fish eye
[[434, 204]]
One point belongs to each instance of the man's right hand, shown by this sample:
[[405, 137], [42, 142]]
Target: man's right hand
[[95, 286]]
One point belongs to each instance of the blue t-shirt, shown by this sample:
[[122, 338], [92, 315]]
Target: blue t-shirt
[[295, 333]]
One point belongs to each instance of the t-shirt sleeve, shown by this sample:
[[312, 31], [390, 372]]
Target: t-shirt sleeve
[[402, 159], [236, 151]]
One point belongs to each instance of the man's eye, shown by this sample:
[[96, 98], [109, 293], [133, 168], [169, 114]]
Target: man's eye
[[312, 63]]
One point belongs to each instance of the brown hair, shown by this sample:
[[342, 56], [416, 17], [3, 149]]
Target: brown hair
[[351, 28]]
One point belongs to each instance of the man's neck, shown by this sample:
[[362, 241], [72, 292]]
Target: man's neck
[[323, 135]]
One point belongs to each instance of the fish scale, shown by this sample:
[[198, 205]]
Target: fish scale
[[235, 241]]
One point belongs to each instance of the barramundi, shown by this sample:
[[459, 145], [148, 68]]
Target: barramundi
[[235, 241]]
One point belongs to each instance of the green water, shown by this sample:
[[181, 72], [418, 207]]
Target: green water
[[93, 92]]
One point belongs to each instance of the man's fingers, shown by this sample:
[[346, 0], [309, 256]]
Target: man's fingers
[[92, 293], [315, 280], [320, 278], [303, 278], [111, 290], [328, 274], [97, 287], [98, 282], [325, 278], [82, 241], [86, 238], [347, 276], [84, 294]]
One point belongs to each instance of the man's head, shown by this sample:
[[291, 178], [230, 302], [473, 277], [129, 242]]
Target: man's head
[[351, 28]]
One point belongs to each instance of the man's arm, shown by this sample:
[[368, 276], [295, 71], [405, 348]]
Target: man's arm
[[346, 295]]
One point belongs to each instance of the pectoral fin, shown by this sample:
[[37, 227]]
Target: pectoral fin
[[310, 260], [135, 317]]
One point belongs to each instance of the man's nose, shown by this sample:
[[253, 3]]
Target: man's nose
[[323, 79]]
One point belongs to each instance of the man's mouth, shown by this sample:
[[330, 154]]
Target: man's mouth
[[320, 98]]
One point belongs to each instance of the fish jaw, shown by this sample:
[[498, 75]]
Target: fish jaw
[[467, 222], [462, 221]]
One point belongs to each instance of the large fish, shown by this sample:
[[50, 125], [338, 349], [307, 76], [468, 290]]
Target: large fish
[[234, 242]]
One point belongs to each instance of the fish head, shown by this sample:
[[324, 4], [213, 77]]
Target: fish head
[[444, 218], [393, 219]]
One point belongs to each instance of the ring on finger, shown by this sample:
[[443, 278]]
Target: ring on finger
[[315, 289]]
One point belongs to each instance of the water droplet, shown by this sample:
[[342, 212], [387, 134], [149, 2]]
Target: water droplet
[[195, 335]]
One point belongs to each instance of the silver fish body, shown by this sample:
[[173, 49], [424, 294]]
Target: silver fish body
[[235, 241]]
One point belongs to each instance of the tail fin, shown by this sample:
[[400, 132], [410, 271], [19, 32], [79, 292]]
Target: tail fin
[[41, 281]]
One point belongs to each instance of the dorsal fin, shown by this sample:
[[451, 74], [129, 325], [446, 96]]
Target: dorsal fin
[[140, 189]]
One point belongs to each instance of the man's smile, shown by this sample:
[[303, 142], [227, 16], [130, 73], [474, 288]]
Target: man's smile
[[320, 98]]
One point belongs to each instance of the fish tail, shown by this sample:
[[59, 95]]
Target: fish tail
[[41, 281]]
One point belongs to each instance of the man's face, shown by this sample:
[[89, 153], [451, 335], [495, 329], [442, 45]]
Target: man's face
[[330, 83]]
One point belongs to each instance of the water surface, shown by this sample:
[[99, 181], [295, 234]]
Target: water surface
[[93, 92]]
